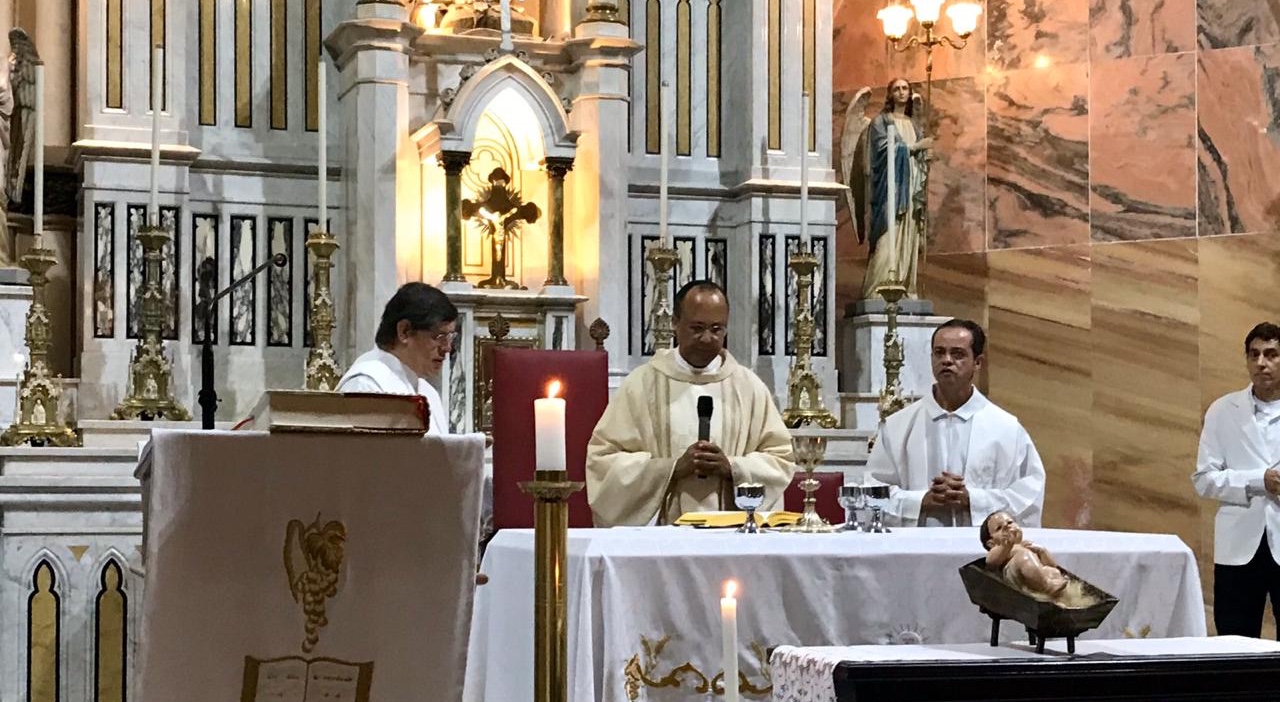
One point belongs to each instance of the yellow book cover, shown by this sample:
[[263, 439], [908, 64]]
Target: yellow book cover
[[714, 520]]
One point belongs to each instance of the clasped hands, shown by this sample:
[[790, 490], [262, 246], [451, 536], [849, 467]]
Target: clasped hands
[[703, 459], [1271, 481], [947, 490]]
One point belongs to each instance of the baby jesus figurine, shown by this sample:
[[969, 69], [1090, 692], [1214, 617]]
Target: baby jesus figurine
[[1027, 566]]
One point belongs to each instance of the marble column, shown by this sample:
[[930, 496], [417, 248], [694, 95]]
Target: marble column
[[453, 162], [557, 168], [598, 197], [382, 237]]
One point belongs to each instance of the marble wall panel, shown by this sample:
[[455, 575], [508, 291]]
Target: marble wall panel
[[1034, 33], [1124, 28], [1038, 157], [957, 173], [1225, 23], [1146, 394], [1235, 273], [1239, 155], [1040, 365], [1142, 148], [957, 286]]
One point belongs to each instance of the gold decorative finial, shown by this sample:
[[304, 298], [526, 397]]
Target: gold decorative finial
[[599, 332]]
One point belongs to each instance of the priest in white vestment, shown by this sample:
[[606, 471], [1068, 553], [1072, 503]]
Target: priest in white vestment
[[645, 463], [954, 457], [414, 337]]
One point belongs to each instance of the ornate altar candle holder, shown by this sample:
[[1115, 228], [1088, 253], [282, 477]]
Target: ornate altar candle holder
[[748, 497], [809, 451], [804, 389], [663, 259], [39, 417], [322, 367], [150, 371]]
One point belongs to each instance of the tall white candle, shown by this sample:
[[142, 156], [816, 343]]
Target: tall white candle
[[323, 149], [729, 637], [804, 171], [506, 26], [548, 423], [665, 125], [891, 211], [38, 224], [157, 104]]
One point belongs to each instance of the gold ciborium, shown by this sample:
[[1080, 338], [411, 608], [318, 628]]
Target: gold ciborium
[[809, 451]]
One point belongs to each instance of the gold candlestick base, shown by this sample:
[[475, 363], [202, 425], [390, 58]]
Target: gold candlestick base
[[804, 389], [39, 421], [322, 372], [663, 259], [550, 490], [150, 372]]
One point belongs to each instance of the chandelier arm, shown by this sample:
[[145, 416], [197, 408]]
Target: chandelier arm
[[956, 44], [900, 47]]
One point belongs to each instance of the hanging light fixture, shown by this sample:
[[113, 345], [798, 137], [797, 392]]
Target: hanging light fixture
[[964, 17], [896, 19], [927, 11]]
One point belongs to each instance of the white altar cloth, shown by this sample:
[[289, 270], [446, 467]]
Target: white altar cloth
[[225, 512], [804, 674], [629, 588]]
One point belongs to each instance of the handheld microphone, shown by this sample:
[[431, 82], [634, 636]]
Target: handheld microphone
[[705, 408]]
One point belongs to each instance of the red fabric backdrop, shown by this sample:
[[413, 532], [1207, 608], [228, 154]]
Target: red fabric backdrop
[[520, 376]]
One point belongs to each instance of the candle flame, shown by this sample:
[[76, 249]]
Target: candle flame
[[553, 388], [730, 588]]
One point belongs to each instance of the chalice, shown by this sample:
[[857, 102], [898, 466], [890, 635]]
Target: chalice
[[748, 497]]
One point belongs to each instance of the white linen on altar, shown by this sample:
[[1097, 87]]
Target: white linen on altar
[[804, 674], [799, 589], [218, 512]]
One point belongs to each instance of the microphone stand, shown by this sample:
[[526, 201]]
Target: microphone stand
[[208, 397]]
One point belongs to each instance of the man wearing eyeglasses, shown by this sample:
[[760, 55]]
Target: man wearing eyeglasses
[[645, 462], [416, 334]]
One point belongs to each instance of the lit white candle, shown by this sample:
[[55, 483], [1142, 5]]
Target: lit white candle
[[548, 423], [38, 224], [322, 126], [665, 125], [157, 104], [729, 637], [804, 171], [891, 211]]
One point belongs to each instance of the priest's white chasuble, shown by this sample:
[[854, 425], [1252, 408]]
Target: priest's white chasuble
[[652, 420]]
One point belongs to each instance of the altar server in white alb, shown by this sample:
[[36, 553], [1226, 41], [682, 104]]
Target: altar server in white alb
[[646, 463], [1238, 466], [953, 456], [415, 336]]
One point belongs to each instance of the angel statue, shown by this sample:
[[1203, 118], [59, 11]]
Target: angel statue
[[885, 160], [20, 131]]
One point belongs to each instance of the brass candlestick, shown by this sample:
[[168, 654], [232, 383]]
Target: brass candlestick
[[891, 399], [150, 372], [550, 490], [322, 368], [804, 390], [39, 421], [663, 259], [809, 452], [604, 11]]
